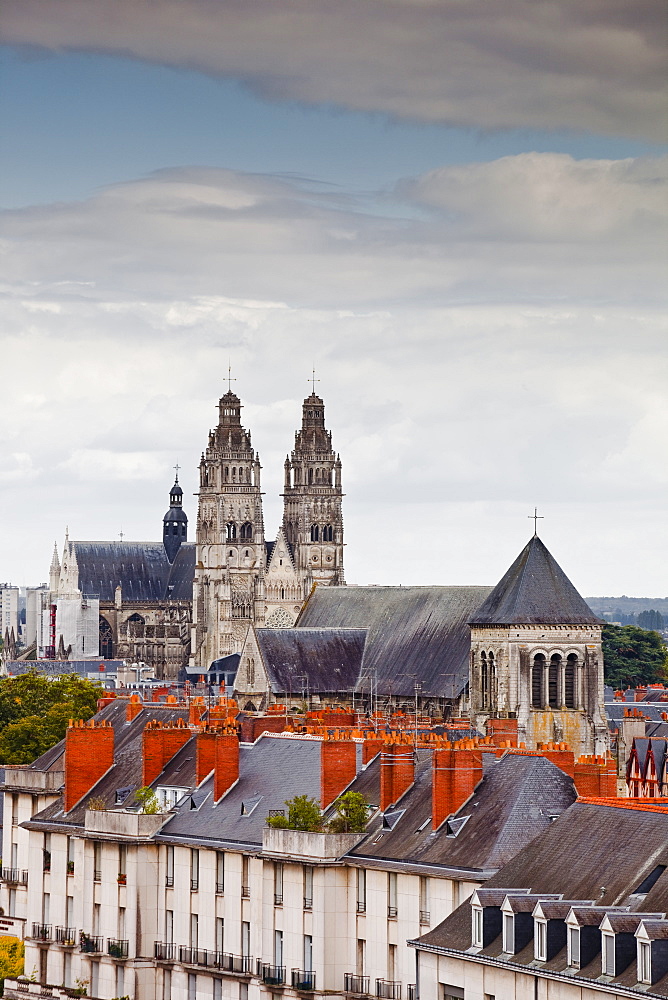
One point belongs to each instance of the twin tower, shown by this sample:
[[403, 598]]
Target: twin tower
[[241, 579]]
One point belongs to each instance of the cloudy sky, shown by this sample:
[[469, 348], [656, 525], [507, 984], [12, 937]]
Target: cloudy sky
[[454, 210]]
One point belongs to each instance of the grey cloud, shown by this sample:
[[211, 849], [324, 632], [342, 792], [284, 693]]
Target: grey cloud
[[595, 65]]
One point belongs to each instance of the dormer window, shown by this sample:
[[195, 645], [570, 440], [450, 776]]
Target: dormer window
[[540, 940], [476, 926], [644, 962], [574, 947], [608, 955], [509, 933]]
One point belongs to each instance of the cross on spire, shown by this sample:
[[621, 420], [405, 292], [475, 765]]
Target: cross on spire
[[313, 380], [121, 535], [177, 467], [536, 517], [230, 380]]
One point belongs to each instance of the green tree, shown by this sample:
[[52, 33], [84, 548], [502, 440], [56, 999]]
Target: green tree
[[303, 814], [633, 656], [352, 813], [652, 620], [35, 711], [148, 800]]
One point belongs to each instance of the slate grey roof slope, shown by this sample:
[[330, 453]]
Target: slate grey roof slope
[[597, 852], [413, 633], [534, 591], [142, 569], [513, 803], [331, 659], [271, 771]]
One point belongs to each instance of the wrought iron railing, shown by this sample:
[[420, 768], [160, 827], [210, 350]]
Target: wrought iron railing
[[392, 912], [424, 917], [91, 943], [353, 983], [412, 991], [66, 936], [187, 955], [302, 980], [41, 932], [271, 975], [164, 952], [386, 989], [117, 948], [308, 902], [19, 875]]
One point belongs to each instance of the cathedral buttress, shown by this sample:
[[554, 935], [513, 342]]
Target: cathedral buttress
[[230, 560], [312, 501]]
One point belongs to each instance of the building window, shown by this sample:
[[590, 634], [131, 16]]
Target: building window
[[308, 953], [245, 938], [220, 871], [218, 989], [220, 934], [553, 680], [120, 980], [278, 948], [540, 941], [509, 933], [392, 962], [230, 531], [574, 946], [278, 884], [194, 869], [94, 978], [360, 958], [167, 985], [122, 864], [644, 962], [192, 986], [246, 531], [328, 533], [169, 875], [194, 930], [97, 862], [425, 915], [476, 926], [315, 532], [537, 680], [245, 883], [608, 955], [169, 926], [361, 890], [391, 896], [569, 680], [308, 887]]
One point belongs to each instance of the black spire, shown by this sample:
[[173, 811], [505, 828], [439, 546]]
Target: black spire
[[535, 591], [175, 522]]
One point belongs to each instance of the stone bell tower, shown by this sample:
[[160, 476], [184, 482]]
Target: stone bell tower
[[229, 565], [312, 501], [536, 657]]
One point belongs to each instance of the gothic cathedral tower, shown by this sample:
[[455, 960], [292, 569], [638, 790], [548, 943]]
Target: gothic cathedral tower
[[312, 514], [230, 560]]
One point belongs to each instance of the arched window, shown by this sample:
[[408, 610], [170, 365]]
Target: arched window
[[314, 532], [234, 472], [246, 531], [484, 681], [227, 473], [230, 531], [537, 680], [135, 624], [310, 476], [106, 639], [553, 680], [327, 533], [492, 679], [251, 672], [569, 680]]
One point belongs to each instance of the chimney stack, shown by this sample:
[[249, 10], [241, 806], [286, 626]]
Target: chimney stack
[[397, 772], [89, 753], [226, 762], [159, 744], [338, 767], [455, 774], [133, 708]]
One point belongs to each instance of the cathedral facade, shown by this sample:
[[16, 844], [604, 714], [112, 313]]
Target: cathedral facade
[[241, 579]]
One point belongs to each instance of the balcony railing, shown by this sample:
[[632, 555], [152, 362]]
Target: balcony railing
[[424, 917], [361, 906], [91, 943], [308, 902], [66, 936], [97, 875], [278, 899], [116, 948], [245, 891], [412, 991], [386, 989], [41, 932], [194, 884], [392, 912], [220, 960], [220, 888], [271, 975], [122, 878], [355, 984], [302, 980], [70, 868], [169, 881], [19, 875]]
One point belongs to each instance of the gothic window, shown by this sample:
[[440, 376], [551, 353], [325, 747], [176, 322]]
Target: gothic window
[[327, 533], [569, 680], [246, 531], [227, 473], [492, 679], [234, 472], [314, 532], [282, 593], [279, 618], [553, 680], [251, 672], [484, 681], [537, 680], [106, 639], [310, 476], [135, 625], [230, 531]]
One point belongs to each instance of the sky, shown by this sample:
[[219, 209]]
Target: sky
[[454, 211]]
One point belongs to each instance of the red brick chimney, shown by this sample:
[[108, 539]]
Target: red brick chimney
[[226, 763], [596, 776], [372, 745], [205, 754], [133, 708], [159, 744], [500, 731], [397, 772], [338, 767], [455, 773], [89, 753], [196, 710]]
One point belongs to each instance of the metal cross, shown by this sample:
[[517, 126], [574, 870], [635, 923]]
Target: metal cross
[[121, 535], [313, 381], [536, 517], [230, 380], [177, 467]]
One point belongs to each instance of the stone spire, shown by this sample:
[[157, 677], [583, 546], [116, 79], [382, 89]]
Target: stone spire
[[54, 570]]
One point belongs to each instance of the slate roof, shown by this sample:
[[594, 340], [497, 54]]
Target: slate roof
[[534, 591], [331, 659], [142, 569], [514, 802], [270, 772], [629, 844], [413, 633]]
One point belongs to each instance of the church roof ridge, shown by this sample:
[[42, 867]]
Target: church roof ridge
[[534, 591]]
